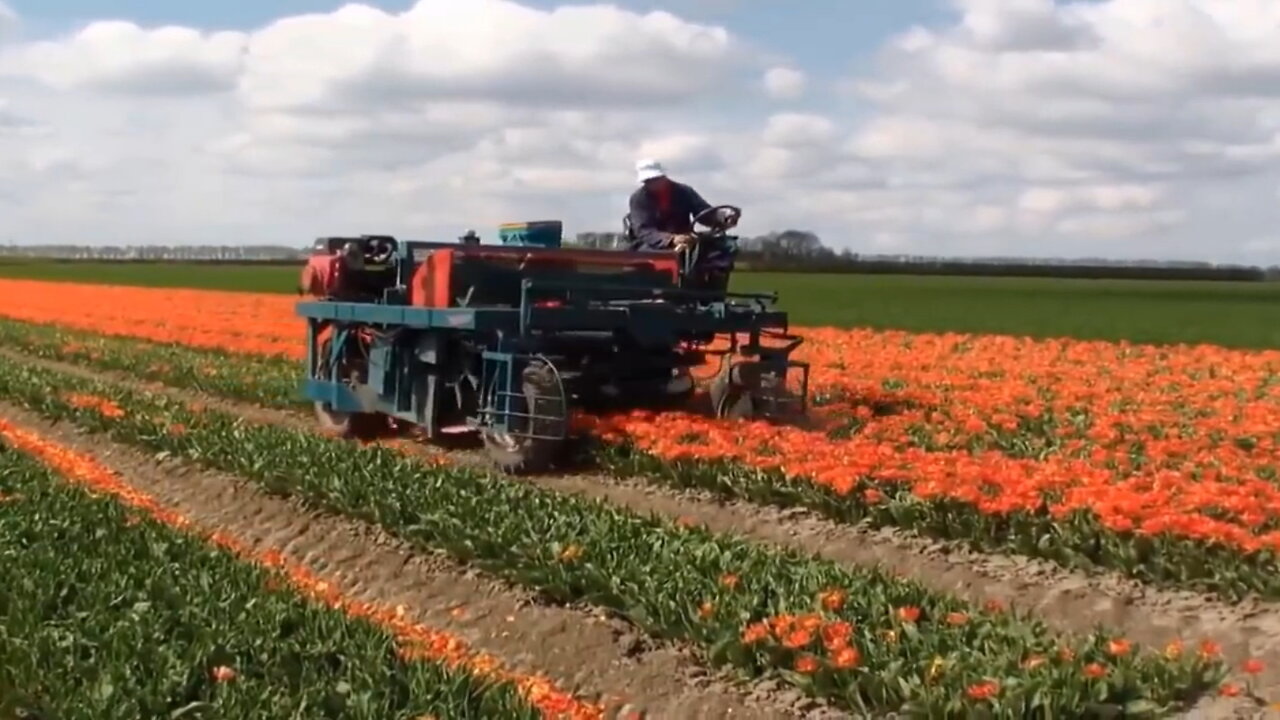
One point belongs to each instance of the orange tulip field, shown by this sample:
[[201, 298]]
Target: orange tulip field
[[962, 526]]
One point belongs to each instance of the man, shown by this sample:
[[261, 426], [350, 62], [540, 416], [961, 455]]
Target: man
[[662, 210], [661, 218], [662, 213], [470, 238]]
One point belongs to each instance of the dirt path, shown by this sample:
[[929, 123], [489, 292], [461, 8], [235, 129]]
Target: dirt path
[[1065, 600], [582, 649]]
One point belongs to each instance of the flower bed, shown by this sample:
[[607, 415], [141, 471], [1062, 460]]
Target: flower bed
[[864, 639]]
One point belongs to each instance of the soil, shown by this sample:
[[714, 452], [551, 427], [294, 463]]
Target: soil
[[1067, 601], [582, 649]]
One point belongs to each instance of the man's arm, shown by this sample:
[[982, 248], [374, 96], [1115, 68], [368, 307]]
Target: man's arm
[[694, 202], [644, 223]]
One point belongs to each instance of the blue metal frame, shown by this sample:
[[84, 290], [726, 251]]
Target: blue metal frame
[[412, 317], [496, 368]]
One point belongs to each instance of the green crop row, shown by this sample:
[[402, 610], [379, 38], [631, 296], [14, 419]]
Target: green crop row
[[267, 381], [1076, 541], [913, 649], [106, 613]]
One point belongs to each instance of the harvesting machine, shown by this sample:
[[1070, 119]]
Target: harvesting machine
[[505, 340]]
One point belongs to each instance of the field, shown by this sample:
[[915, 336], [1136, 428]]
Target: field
[[969, 525], [1231, 314]]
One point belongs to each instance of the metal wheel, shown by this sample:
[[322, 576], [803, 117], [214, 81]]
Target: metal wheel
[[744, 392], [675, 393], [541, 394], [730, 400]]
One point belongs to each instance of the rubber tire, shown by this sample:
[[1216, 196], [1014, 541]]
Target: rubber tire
[[530, 455]]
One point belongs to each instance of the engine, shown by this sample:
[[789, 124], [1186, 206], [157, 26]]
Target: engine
[[348, 268]]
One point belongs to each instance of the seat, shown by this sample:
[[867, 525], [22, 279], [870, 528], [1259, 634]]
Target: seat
[[628, 232]]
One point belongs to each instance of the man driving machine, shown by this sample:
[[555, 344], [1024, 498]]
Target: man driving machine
[[662, 217], [662, 210]]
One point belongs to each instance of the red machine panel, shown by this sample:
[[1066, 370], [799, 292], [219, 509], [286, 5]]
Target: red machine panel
[[321, 275], [432, 282]]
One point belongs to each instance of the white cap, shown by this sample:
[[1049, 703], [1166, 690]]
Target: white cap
[[648, 169]]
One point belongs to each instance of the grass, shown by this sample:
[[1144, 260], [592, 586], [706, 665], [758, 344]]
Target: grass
[[1231, 314], [238, 278]]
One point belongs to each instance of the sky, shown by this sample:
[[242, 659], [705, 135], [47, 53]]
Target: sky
[[1091, 128]]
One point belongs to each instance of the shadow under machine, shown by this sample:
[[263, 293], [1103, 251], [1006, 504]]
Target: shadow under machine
[[506, 340]]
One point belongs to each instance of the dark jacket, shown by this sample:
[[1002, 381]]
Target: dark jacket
[[654, 222]]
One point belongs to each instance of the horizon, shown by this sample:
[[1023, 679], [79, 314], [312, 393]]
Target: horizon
[[1118, 129], [899, 257]]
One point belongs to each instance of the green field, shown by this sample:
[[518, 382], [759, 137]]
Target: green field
[[240, 278], [1154, 311]]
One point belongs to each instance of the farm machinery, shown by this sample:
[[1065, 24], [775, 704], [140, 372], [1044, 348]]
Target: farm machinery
[[504, 341]]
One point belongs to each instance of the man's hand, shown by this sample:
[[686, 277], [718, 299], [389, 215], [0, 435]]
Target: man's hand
[[683, 241]]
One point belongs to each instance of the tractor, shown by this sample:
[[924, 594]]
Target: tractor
[[506, 340]]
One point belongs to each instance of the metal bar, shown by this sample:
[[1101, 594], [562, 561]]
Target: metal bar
[[526, 308], [589, 319], [535, 251], [311, 348], [337, 348], [339, 396], [494, 408], [481, 319], [655, 292], [507, 414]]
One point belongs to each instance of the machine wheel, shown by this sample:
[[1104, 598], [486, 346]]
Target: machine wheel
[[739, 399], [358, 426], [541, 394], [728, 398], [731, 401], [675, 393]]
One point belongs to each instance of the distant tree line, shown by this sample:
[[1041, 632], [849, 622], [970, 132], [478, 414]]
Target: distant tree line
[[804, 251], [156, 253], [784, 251]]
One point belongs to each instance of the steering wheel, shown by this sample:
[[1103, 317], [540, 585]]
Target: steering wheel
[[711, 217], [379, 249]]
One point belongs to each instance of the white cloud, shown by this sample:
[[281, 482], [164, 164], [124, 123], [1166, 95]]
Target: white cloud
[[483, 49], [14, 123], [1051, 200], [448, 114], [360, 87], [121, 56], [1114, 127], [784, 83], [791, 129], [1136, 119], [1004, 25]]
